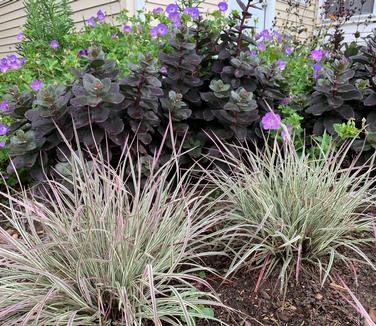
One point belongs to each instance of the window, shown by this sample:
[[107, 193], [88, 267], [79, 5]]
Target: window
[[359, 7]]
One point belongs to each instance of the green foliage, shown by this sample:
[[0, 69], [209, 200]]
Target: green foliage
[[46, 20], [347, 130], [54, 65], [97, 252], [287, 212], [208, 76]]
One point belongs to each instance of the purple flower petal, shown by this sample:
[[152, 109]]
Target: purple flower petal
[[172, 8], [277, 35], [101, 16], [163, 70], [91, 22], [266, 35], [175, 19], [281, 64], [162, 29], [3, 129], [317, 55], [36, 85], [20, 36], [157, 10], [12, 58], [285, 101], [271, 121], [288, 50], [223, 6], [193, 12], [54, 44], [83, 53], [261, 46], [154, 32], [3, 143], [127, 29], [4, 105], [316, 70]]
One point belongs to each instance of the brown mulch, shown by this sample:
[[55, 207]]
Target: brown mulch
[[306, 302]]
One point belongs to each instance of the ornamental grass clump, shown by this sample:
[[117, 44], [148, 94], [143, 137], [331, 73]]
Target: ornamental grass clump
[[288, 212], [106, 247]]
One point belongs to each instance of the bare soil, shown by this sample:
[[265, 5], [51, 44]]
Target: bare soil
[[306, 302]]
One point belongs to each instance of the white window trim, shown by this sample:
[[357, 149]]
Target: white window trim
[[355, 19], [269, 6]]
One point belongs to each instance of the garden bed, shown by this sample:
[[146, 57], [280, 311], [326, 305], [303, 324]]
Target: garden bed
[[305, 303]]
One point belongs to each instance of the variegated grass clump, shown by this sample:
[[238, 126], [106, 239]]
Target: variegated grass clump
[[288, 212], [95, 251]]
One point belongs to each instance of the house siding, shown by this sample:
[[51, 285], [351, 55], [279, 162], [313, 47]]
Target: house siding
[[364, 24], [12, 15], [306, 15]]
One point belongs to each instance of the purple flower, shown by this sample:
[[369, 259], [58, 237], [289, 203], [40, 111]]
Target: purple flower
[[12, 62], [157, 10], [193, 12], [163, 70], [266, 35], [285, 101], [4, 67], [91, 22], [4, 105], [83, 53], [3, 143], [12, 58], [101, 16], [3, 129], [271, 121], [175, 19], [316, 70], [281, 64], [22, 61], [54, 44], [114, 36], [261, 46], [253, 53], [172, 8], [288, 50], [20, 36], [154, 32], [286, 132], [15, 65], [127, 29], [317, 55], [36, 85], [223, 6], [162, 29], [277, 35]]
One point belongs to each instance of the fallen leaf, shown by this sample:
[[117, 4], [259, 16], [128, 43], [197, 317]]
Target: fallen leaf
[[319, 296], [372, 314], [337, 287]]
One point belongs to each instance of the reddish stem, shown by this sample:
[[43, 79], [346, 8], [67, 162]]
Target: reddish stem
[[241, 27]]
